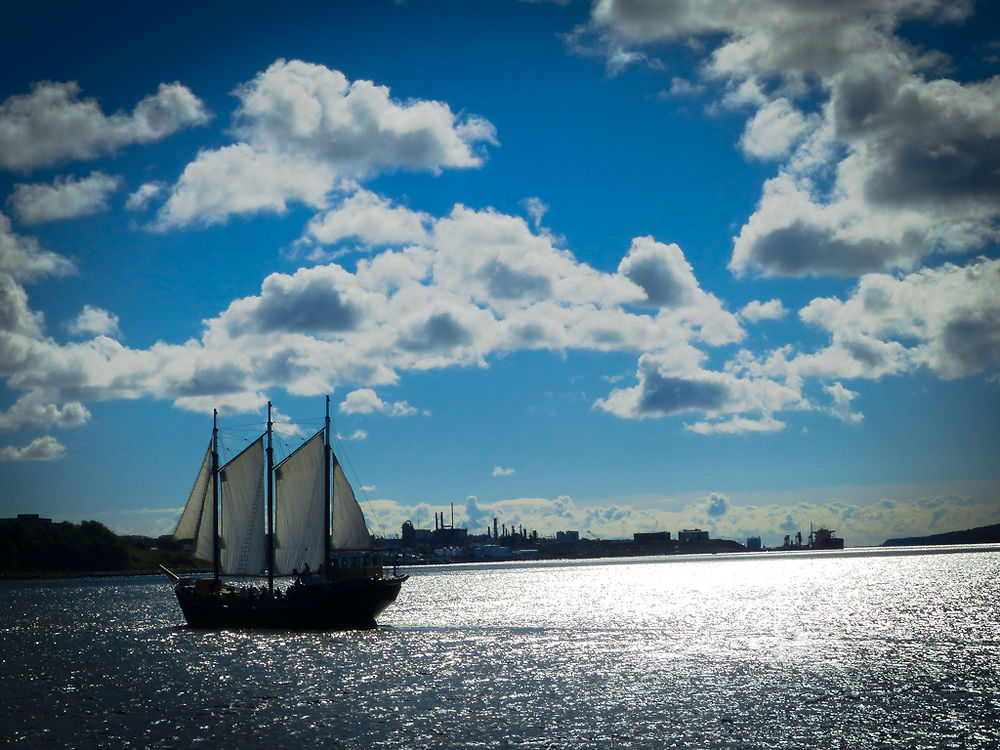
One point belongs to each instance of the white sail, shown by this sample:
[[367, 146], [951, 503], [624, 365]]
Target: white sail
[[349, 529], [196, 520], [243, 536], [300, 507]]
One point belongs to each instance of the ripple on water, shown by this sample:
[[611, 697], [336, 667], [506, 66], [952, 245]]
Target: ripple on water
[[771, 651]]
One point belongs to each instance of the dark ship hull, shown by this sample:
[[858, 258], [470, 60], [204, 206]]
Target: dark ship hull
[[347, 604], [832, 542]]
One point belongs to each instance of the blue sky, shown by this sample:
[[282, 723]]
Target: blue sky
[[615, 267]]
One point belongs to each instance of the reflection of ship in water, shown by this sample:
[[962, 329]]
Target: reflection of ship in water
[[821, 538]]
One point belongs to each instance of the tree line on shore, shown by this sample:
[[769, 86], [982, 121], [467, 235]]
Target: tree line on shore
[[979, 535], [31, 546]]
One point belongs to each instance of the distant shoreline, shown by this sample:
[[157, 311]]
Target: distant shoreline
[[31, 575], [891, 550], [979, 535], [35, 543]]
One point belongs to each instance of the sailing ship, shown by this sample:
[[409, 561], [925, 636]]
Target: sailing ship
[[298, 518]]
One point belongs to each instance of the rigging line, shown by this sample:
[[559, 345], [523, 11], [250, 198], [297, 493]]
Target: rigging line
[[281, 447], [226, 451], [357, 479], [233, 435], [227, 438], [243, 426], [295, 428]]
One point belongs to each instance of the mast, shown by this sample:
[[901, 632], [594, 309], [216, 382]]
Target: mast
[[270, 505], [328, 505], [215, 496]]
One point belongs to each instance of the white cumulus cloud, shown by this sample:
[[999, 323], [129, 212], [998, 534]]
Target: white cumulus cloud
[[366, 401], [53, 124], [946, 319], [372, 219], [94, 321], [45, 448], [755, 311], [31, 411], [883, 158], [675, 382], [304, 130], [66, 198], [773, 130], [842, 398], [459, 289], [22, 258], [141, 196]]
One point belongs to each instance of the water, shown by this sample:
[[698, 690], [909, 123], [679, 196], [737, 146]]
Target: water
[[872, 650]]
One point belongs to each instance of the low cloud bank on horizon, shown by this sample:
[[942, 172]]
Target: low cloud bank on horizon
[[861, 525]]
